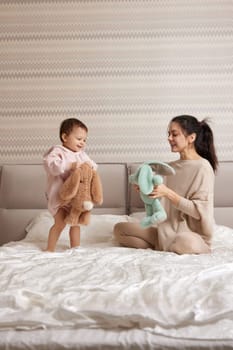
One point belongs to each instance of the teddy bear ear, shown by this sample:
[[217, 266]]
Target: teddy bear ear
[[161, 167], [145, 179]]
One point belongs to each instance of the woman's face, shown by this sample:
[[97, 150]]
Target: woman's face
[[178, 141]]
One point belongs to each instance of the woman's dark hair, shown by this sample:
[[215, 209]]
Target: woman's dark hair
[[204, 142], [67, 126]]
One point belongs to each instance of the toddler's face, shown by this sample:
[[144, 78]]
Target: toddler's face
[[76, 140]]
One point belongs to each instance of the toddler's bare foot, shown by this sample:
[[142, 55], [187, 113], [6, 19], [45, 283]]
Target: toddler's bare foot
[[75, 247], [48, 250]]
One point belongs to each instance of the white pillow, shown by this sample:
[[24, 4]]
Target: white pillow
[[99, 230], [137, 216], [38, 228], [223, 236]]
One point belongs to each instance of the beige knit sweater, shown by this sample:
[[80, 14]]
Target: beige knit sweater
[[194, 182]]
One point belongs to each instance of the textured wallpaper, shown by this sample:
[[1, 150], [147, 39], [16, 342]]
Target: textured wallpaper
[[123, 67]]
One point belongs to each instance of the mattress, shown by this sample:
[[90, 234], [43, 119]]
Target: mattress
[[101, 295]]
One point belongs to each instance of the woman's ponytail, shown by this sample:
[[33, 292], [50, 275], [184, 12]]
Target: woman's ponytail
[[204, 142]]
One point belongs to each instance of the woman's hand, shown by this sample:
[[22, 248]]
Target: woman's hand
[[136, 187], [159, 191], [164, 191]]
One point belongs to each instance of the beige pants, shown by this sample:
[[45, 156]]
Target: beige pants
[[133, 236]]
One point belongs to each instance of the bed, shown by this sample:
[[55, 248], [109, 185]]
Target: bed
[[102, 296]]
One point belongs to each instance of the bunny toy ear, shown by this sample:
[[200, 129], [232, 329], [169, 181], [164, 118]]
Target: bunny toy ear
[[145, 179], [161, 168]]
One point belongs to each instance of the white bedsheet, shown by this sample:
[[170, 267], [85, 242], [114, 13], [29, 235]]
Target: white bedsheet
[[101, 285]]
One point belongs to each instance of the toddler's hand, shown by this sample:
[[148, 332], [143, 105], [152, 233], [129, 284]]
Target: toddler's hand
[[90, 164], [74, 165]]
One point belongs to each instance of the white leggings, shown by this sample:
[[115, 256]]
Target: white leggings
[[133, 236]]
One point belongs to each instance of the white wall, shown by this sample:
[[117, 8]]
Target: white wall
[[123, 67]]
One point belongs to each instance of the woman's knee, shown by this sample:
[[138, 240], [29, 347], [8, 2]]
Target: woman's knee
[[189, 244], [118, 229]]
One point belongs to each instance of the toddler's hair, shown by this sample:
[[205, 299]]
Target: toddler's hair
[[67, 126]]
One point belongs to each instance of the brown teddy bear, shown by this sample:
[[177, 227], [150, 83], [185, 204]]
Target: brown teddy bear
[[81, 190]]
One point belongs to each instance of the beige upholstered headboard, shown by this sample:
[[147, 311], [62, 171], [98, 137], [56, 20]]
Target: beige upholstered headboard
[[22, 195], [224, 195]]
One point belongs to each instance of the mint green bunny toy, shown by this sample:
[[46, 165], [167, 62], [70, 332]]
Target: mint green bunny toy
[[146, 177]]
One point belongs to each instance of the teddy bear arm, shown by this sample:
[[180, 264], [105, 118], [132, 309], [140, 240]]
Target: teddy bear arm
[[73, 217], [146, 199], [85, 218], [70, 186], [158, 217], [158, 210], [157, 180], [149, 209], [96, 189], [156, 204]]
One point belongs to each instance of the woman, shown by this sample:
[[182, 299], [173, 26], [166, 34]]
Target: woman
[[187, 196]]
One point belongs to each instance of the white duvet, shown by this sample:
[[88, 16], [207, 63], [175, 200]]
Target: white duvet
[[102, 285]]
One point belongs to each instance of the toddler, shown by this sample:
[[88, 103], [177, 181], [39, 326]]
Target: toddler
[[59, 161]]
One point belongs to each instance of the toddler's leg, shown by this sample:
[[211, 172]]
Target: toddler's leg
[[132, 235], [189, 243], [74, 236], [56, 229]]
